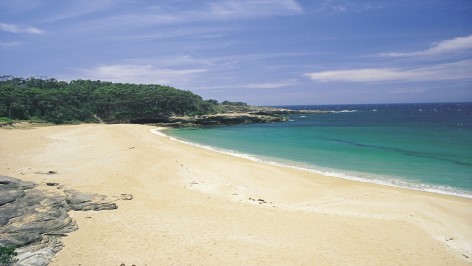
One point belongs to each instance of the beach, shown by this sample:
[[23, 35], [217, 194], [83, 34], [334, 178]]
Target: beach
[[193, 206]]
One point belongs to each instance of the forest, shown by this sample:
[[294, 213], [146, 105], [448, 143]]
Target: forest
[[92, 101]]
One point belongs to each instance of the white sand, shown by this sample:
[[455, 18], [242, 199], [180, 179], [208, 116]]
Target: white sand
[[191, 206]]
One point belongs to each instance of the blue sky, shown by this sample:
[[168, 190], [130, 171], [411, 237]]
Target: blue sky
[[264, 52]]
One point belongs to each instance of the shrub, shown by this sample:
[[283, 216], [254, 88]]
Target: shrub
[[5, 120], [7, 255]]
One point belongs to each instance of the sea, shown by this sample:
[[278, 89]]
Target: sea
[[422, 146]]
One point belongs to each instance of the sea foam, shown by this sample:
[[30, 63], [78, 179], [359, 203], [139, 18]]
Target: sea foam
[[379, 180]]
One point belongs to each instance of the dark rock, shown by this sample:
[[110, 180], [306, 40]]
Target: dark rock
[[10, 190], [161, 119], [9, 196], [79, 201], [126, 197], [237, 118], [231, 115], [220, 119], [52, 184], [277, 111], [34, 220], [46, 173]]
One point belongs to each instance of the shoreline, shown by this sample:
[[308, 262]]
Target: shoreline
[[197, 206], [294, 207], [390, 182]]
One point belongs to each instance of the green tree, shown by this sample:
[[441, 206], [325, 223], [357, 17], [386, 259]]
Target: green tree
[[84, 100]]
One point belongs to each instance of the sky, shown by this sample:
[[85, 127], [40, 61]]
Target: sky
[[263, 52]]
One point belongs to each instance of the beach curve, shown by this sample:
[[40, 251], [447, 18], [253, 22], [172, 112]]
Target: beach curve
[[195, 206]]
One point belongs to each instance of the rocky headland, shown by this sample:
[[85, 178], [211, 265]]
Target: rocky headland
[[231, 115]]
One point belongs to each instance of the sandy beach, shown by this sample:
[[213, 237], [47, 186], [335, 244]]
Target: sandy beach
[[193, 206]]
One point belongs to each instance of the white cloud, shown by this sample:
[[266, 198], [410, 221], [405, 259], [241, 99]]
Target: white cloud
[[447, 46], [450, 71], [215, 11], [143, 74], [79, 8], [341, 6], [10, 44], [19, 29], [254, 8], [262, 85], [225, 62], [266, 85]]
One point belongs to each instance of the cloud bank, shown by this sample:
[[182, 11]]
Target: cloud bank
[[254, 8], [12, 28], [443, 47], [141, 74], [449, 71]]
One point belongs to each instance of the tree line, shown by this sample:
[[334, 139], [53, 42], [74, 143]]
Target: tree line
[[88, 101]]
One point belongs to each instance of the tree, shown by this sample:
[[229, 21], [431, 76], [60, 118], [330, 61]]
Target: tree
[[84, 100]]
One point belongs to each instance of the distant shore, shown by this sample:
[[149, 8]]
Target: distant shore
[[197, 206]]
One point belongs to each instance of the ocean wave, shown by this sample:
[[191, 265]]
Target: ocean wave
[[346, 111], [379, 180]]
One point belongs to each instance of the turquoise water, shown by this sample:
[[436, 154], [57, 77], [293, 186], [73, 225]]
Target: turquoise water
[[421, 146]]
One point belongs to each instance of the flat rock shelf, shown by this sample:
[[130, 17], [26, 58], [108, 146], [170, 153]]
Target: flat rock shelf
[[33, 220]]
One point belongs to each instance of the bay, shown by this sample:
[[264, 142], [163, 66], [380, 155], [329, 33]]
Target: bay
[[419, 146]]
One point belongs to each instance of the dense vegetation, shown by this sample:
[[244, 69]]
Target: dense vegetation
[[88, 101], [7, 255]]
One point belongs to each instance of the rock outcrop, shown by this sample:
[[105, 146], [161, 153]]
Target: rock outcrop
[[33, 220], [231, 115], [215, 120], [228, 119], [280, 111], [79, 201]]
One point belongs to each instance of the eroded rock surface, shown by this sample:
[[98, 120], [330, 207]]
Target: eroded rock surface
[[33, 220], [79, 201]]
